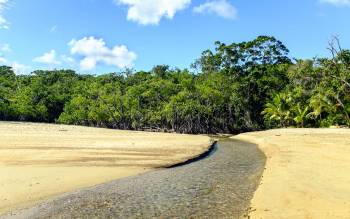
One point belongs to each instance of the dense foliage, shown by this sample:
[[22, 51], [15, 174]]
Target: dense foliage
[[238, 87]]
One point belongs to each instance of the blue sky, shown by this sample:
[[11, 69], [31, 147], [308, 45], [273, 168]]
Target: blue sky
[[98, 36]]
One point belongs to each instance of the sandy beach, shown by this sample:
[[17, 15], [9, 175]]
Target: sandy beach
[[38, 161], [218, 186], [306, 175]]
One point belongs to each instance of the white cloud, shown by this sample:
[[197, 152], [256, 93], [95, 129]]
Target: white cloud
[[5, 48], [2, 60], [337, 2], [20, 68], [151, 11], [221, 8], [94, 51], [48, 58], [3, 22], [51, 58], [67, 59]]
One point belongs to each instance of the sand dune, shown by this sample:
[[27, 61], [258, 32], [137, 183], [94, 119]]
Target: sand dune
[[38, 161]]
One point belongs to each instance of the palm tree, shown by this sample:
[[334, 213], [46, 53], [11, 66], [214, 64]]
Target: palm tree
[[278, 110], [301, 115], [319, 104]]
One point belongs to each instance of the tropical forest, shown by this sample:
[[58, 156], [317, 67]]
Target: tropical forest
[[238, 87]]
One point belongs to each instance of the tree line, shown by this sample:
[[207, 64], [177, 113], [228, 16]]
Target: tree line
[[238, 87]]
